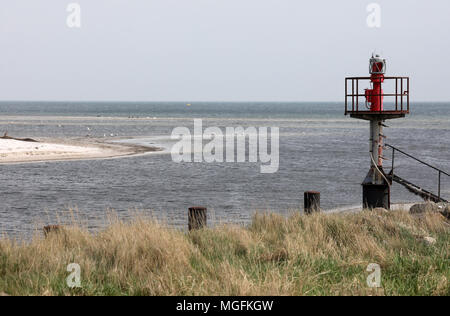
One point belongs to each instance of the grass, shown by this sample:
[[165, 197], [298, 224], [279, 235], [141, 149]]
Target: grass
[[300, 255]]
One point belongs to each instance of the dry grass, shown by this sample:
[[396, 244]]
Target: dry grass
[[300, 255]]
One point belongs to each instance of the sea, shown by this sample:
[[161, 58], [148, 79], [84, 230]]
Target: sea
[[320, 149]]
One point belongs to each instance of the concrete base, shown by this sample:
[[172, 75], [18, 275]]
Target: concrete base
[[376, 195]]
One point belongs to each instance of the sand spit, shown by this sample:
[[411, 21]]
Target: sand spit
[[19, 151]]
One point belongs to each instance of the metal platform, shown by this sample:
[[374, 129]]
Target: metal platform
[[381, 116]]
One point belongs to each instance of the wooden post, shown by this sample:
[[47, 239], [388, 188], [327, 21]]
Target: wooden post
[[197, 217], [312, 202], [50, 229]]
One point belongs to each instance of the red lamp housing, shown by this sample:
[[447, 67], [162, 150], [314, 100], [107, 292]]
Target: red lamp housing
[[374, 96]]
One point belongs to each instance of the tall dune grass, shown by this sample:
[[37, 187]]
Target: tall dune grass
[[300, 255]]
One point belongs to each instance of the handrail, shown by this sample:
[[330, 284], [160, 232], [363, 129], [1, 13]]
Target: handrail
[[400, 96], [368, 78], [441, 172], [422, 162]]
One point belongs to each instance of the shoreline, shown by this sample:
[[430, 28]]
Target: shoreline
[[13, 151]]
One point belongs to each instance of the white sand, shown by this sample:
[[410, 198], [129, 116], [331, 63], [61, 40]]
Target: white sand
[[14, 151]]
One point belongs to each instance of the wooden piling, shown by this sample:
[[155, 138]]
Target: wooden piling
[[197, 217], [51, 229], [312, 202]]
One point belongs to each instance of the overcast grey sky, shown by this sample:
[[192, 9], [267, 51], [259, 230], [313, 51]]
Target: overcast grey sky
[[217, 50]]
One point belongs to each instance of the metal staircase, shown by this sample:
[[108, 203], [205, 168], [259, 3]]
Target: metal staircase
[[424, 194], [413, 188]]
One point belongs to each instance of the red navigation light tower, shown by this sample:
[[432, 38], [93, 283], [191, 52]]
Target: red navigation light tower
[[376, 185]]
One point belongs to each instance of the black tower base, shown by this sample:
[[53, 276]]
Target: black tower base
[[376, 195]]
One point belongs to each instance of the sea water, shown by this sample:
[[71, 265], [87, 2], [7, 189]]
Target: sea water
[[320, 149]]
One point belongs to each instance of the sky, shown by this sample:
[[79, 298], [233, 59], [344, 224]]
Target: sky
[[217, 50]]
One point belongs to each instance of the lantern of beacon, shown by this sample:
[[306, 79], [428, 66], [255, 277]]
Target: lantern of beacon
[[374, 96]]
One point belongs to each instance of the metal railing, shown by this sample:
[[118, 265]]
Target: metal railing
[[440, 172], [401, 95]]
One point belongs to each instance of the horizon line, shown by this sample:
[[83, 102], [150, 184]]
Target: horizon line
[[201, 101]]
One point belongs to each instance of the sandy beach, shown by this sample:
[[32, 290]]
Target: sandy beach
[[19, 151]]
